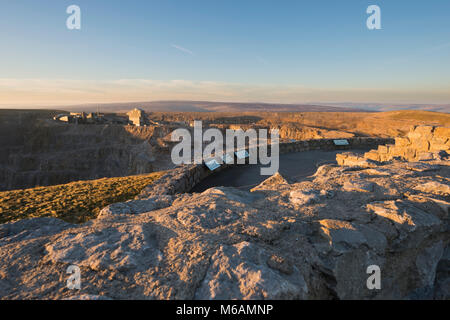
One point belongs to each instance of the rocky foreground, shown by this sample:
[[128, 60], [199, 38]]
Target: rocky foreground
[[313, 239]]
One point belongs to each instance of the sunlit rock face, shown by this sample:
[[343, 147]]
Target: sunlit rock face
[[310, 239], [422, 143]]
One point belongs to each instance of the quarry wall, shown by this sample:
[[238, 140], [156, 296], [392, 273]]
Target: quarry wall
[[182, 179], [54, 154]]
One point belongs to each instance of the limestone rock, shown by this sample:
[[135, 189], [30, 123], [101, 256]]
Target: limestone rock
[[271, 183], [136, 206], [441, 155], [354, 160], [51, 155], [359, 186], [425, 156], [122, 247], [343, 235], [427, 262], [299, 197], [442, 132], [240, 272], [434, 187], [308, 240], [88, 297], [420, 167], [444, 205], [421, 144], [29, 229], [404, 215], [232, 194], [402, 141], [442, 280]]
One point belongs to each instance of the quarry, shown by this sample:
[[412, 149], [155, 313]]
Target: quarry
[[287, 237], [35, 150]]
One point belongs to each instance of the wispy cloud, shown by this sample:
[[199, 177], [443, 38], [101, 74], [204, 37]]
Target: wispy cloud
[[180, 48], [28, 92]]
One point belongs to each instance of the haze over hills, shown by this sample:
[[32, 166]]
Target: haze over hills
[[209, 106], [392, 107], [214, 106]]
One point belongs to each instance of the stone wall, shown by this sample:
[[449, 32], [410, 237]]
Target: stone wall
[[183, 178], [422, 143], [328, 144]]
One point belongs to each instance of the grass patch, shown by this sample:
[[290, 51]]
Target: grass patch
[[74, 202]]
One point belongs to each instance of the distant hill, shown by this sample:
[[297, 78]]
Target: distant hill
[[211, 106], [208, 106], [428, 117], [393, 107]]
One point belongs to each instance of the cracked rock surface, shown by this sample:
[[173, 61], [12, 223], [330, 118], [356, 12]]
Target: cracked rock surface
[[312, 239]]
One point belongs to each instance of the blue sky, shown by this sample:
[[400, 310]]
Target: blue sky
[[279, 51]]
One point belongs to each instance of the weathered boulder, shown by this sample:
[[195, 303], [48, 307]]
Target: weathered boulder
[[352, 249], [434, 187], [421, 167], [88, 297], [404, 215], [242, 271], [272, 183], [29, 229], [117, 247], [358, 185], [299, 197], [343, 235], [136, 206], [353, 160], [442, 280]]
